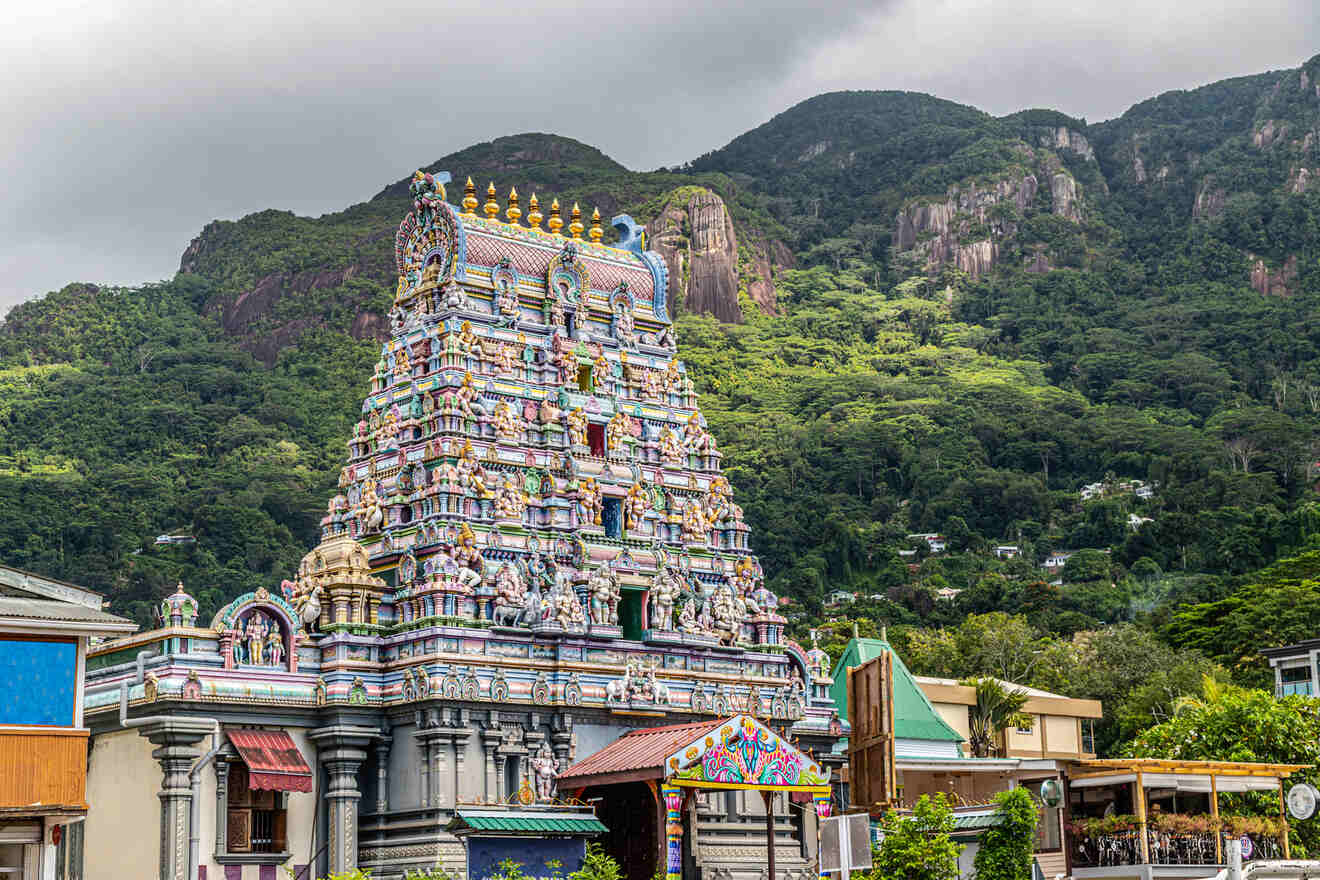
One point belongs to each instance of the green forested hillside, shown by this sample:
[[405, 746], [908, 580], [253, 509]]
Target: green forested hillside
[[1068, 304]]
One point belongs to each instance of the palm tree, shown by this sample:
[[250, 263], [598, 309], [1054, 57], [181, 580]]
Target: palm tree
[[997, 707]]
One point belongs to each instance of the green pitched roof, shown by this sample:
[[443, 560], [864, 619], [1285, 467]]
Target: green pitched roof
[[914, 716], [521, 822]]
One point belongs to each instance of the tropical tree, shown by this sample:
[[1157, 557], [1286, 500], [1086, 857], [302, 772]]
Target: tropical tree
[[1007, 847], [997, 707], [917, 847]]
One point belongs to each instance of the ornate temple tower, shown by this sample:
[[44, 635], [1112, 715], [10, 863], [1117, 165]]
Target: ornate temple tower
[[533, 549]]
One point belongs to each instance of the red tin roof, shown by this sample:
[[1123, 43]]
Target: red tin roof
[[273, 760], [637, 755]]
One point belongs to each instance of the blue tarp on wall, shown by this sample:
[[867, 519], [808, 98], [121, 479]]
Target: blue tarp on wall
[[39, 679], [533, 854]]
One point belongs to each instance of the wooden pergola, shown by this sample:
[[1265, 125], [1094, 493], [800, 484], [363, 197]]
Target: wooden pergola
[[1212, 777]]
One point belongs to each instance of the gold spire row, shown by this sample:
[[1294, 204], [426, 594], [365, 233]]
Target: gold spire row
[[492, 207], [534, 213], [575, 228], [596, 232], [469, 198], [555, 222], [513, 212]]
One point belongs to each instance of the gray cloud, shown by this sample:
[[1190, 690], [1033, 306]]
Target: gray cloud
[[127, 126]]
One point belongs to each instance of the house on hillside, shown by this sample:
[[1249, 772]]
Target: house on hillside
[[1007, 551], [1295, 668], [1056, 560], [936, 542], [840, 597]]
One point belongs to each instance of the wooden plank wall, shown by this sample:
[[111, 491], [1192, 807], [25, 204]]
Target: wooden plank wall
[[871, 742], [43, 766]]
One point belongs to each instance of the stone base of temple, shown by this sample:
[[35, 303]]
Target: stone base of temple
[[605, 630], [662, 637]]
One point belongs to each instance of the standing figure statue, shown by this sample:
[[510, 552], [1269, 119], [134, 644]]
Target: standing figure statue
[[666, 588], [545, 767], [603, 588]]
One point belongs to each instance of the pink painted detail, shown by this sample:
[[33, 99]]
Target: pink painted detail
[[233, 872], [267, 872]]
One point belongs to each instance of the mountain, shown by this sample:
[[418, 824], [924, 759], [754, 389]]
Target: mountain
[[904, 315]]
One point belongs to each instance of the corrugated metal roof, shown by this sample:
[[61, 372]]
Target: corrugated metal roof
[[976, 822], [273, 760], [53, 609], [561, 823], [644, 749]]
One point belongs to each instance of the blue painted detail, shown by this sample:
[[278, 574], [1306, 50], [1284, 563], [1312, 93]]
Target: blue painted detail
[[612, 517], [532, 854], [660, 280], [39, 681], [460, 245], [632, 237]]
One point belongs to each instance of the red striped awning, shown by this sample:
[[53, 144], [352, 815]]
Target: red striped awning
[[273, 760]]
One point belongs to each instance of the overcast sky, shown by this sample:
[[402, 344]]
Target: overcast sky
[[126, 126]]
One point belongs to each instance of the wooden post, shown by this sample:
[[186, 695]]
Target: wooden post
[[1283, 819], [769, 798], [1214, 820], [1139, 792]]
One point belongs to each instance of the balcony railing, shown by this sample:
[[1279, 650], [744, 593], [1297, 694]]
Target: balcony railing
[[1185, 840], [1295, 689], [43, 767]]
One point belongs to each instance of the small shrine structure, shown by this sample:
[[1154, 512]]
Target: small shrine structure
[[531, 552], [685, 762]]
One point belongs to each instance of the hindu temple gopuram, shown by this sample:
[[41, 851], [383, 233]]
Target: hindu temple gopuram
[[533, 618]]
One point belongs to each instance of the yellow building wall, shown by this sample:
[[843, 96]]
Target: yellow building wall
[[955, 715], [123, 820], [1061, 734], [1018, 742]]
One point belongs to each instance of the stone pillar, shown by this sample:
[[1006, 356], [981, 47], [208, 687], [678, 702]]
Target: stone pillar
[[499, 777], [342, 749], [460, 752], [439, 745], [490, 740], [673, 832], [221, 803], [425, 767], [383, 775], [176, 742]]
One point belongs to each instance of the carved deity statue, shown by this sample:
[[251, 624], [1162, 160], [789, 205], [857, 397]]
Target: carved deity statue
[[651, 385], [696, 437], [666, 588], [510, 500], [695, 527], [635, 505], [545, 768], [604, 591], [508, 423], [472, 475], [617, 430], [623, 324], [671, 448], [575, 423], [589, 502], [370, 510]]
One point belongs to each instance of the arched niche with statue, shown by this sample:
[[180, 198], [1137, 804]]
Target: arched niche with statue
[[259, 629]]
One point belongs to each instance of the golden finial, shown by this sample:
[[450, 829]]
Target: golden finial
[[596, 232], [534, 213], [469, 198], [492, 207], [575, 228], [555, 222], [513, 212]]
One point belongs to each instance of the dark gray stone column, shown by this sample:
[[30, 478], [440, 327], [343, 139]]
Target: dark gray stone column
[[176, 749], [341, 749], [221, 803], [383, 774]]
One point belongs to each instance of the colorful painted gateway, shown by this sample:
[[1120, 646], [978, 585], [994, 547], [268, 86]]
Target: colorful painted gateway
[[532, 551]]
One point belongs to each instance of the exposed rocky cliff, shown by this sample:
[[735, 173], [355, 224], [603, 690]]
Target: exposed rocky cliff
[[971, 225], [695, 234]]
